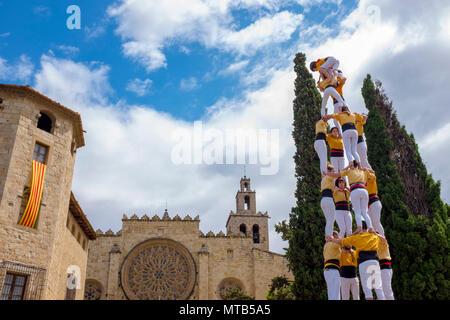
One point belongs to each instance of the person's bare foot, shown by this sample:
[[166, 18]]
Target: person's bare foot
[[371, 230]]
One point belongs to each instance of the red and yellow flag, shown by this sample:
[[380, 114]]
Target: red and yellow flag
[[37, 182]]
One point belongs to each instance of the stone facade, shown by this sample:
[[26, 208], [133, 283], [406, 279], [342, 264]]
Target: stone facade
[[50, 246], [150, 258], [137, 260]]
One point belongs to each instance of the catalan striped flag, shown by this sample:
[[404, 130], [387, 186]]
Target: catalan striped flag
[[37, 182]]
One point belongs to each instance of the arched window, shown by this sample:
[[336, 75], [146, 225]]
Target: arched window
[[255, 233], [243, 229], [245, 186], [45, 122], [246, 203]]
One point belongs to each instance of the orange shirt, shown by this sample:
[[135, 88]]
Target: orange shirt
[[360, 126], [321, 126], [320, 62], [335, 143], [356, 175], [345, 117], [372, 184]]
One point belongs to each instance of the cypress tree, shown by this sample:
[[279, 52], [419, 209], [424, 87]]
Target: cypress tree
[[305, 230], [416, 229]]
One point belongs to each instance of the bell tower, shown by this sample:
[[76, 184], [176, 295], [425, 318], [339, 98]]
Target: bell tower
[[245, 198], [246, 220]]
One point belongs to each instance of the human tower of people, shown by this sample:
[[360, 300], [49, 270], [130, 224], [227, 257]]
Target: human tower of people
[[365, 248]]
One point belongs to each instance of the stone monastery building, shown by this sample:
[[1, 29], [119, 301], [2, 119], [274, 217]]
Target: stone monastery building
[[49, 250]]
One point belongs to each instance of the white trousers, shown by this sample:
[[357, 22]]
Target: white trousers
[[386, 279], [337, 109], [338, 163], [361, 148], [331, 91], [350, 139], [349, 285], [331, 64], [369, 272], [375, 216], [344, 221], [360, 200], [327, 205], [333, 280], [321, 148]]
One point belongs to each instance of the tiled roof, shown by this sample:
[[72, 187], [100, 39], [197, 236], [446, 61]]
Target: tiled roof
[[81, 218]]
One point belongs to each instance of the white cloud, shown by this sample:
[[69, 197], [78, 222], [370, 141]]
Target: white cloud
[[139, 86], [267, 30], [234, 67], [147, 27], [4, 35], [126, 165], [126, 168], [73, 83], [403, 46], [189, 84], [20, 71]]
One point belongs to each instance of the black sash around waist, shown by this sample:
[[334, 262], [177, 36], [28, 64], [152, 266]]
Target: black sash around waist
[[360, 139], [342, 205], [327, 193], [385, 264], [348, 272], [331, 264], [357, 185], [337, 153], [321, 136], [367, 255], [348, 126], [373, 197]]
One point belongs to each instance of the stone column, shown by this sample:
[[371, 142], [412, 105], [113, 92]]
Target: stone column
[[203, 274], [113, 272]]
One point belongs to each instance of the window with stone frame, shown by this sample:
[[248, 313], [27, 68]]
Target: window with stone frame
[[13, 286], [40, 153], [246, 203], [255, 233], [243, 229], [45, 122]]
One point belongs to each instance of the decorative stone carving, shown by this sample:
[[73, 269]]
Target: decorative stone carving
[[93, 290], [158, 269], [166, 216], [228, 284]]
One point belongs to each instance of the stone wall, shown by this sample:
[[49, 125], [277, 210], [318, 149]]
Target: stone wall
[[47, 244], [217, 256]]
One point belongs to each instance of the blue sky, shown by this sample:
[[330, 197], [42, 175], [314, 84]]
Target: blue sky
[[140, 71], [191, 80]]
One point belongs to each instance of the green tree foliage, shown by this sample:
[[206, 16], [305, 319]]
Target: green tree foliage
[[418, 240], [305, 230], [280, 289], [236, 294]]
